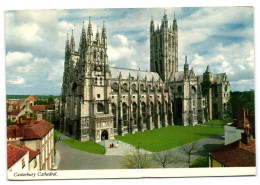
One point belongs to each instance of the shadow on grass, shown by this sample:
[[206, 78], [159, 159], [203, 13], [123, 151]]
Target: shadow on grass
[[204, 150]]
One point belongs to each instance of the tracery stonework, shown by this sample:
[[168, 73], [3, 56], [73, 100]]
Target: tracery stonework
[[99, 101]]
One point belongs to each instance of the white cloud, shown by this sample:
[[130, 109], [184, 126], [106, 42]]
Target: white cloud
[[133, 65], [17, 81], [17, 58], [35, 40], [122, 38]]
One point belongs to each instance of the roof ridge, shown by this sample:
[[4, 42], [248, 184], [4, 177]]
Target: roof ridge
[[131, 69]]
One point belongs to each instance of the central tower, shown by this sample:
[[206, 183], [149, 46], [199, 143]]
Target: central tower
[[164, 48]]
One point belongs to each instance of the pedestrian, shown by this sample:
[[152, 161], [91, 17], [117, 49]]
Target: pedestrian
[[116, 145], [112, 145]]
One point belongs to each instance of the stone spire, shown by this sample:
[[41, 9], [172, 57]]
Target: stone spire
[[165, 20], [104, 36], [186, 68], [208, 69], [174, 25], [72, 43], [97, 37], [152, 25], [90, 31], [67, 48]]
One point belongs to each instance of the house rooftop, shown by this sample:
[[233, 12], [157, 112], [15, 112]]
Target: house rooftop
[[32, 129], [14, 153], [236, 154]]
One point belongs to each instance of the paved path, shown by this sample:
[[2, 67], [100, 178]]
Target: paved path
[[68, 158], [73, 159], [121, 148], [204, 146]]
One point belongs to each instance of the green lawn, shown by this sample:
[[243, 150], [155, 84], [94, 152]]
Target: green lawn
[[165, 138], [56, 133], [218, 122], [87, 146]]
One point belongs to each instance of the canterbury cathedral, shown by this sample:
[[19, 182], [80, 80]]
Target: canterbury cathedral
[[99, 101]]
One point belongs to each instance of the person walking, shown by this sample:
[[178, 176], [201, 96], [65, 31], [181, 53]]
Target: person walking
[[112, 145]]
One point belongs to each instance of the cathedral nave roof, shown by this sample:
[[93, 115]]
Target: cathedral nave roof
[[115, 72]]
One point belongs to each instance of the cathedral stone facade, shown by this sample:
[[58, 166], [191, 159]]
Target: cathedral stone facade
[[99, 101]]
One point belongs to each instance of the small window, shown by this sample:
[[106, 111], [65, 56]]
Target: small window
[[100, 81], [100, 107], [23, 163], [35, 162], [179, 89], [98, 95], [203, 102], [133, 96], [113, 97], [95, 54]]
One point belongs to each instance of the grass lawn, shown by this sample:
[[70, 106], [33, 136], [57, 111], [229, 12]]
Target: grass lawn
[[218, 122], [56, 133], [87, 146], [165, 138]]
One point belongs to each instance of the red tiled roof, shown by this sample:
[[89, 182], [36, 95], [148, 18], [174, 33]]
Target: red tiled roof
[[38, 108], [32, 153], [15, 112], [235, 154], [49, 106], [14, 153], [32, 129], [31, 98]]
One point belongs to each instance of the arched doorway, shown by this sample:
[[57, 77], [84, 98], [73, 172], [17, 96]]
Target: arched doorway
[[104, 135]]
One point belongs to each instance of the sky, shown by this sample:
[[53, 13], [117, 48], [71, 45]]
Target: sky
[[221, 37]]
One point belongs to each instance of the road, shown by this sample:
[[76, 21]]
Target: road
[[73, 159]]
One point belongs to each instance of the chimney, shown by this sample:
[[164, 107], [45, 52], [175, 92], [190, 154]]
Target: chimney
[[246, 136], [241, 118], [19, 128], [39, 117]]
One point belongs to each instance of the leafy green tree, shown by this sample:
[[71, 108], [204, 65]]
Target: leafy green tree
[[51, 100], [9, 122], [244, 99], [200, 162], [40, 102]]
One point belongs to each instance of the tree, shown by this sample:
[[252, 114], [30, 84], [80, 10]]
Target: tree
[[9, 122], [50, 100], [200, 162], [136, 159], [189, 149], [164, 158]]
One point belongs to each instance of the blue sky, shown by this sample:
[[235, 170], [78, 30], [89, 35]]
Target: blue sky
[[35, 43]]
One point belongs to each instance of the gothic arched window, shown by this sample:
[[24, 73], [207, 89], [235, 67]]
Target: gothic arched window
[[114, 113], [135, 112], [100, 107], [95, 54], [101, 55], [179, 89]]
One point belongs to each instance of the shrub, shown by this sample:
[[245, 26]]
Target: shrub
[[200, 162]]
